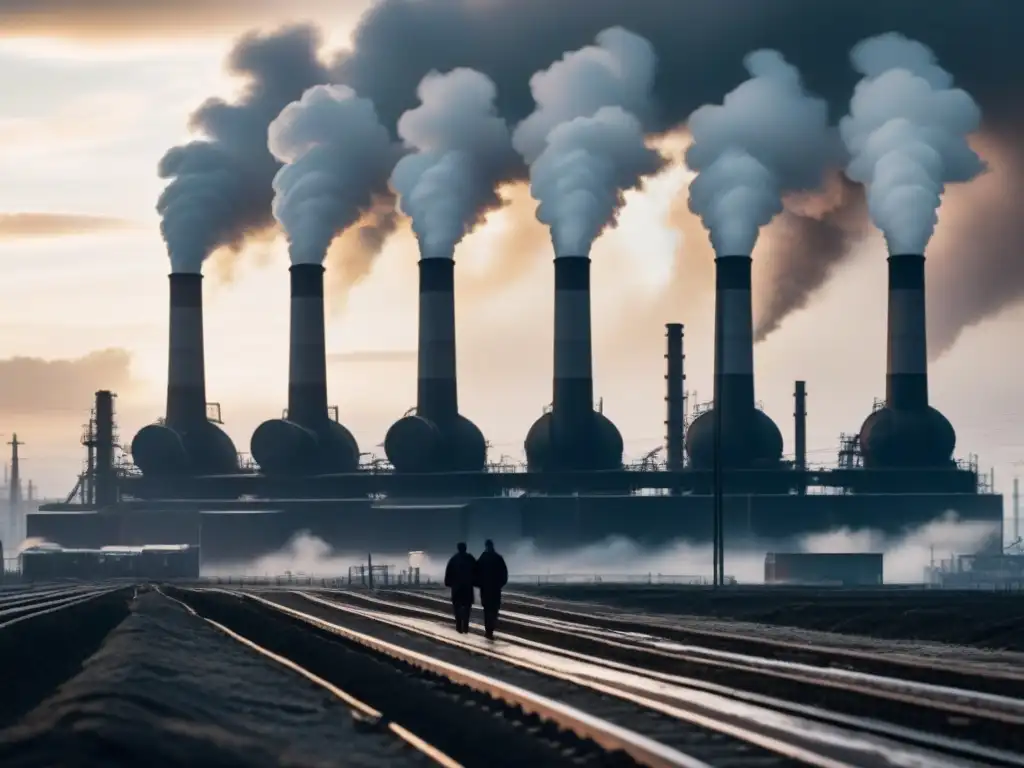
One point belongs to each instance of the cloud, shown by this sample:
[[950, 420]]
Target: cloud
[[35, 387], [114, 19], [19, 226]]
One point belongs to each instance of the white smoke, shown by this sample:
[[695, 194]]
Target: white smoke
[[461, 146], [336, 154], [767, 138], [905, 557], [584, 142], [907, 136], [579, 177]]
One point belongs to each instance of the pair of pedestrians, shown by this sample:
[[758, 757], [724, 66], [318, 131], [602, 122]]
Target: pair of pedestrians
[[488, 573]]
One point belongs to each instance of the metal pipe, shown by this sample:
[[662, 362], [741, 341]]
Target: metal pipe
[[675, 378]]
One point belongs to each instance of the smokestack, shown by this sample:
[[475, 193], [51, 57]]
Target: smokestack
[[675, 378], [1016, 509], [106, 487], [749, 437], [734, 349], [572, 404], [186, 371], [906, 382], [307, 364], [800, 424], [436, 387]]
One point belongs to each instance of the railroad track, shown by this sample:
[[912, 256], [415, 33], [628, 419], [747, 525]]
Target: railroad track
[[650, 708], [1000, 680], [968, 714], [24, 606]]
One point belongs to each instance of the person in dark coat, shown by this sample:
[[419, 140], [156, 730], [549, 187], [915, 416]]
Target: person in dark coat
[[458, 577], [491, 578]]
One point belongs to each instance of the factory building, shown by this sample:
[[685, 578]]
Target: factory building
[[897, 473]]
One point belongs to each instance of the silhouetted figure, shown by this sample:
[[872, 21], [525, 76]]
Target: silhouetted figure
[[458, 577], [491, 577]]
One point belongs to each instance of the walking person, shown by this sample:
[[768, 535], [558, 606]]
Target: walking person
[[491, 578], [458, 577]]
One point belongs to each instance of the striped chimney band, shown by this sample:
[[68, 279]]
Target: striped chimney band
[[906, 385], [186, 374], [307, 369], [436, 386]]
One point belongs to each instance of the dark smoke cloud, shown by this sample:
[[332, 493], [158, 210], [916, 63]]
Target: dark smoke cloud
[[220, 187], [16, 226], [975, 263], [700, 45]]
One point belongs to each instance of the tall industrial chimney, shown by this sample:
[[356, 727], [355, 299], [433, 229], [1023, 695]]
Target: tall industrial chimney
[[437, 438], [573, 436], [800, 424], [675, 379], [187, 441], [907, 432], [308, 441], [749, 437], [106, 479]]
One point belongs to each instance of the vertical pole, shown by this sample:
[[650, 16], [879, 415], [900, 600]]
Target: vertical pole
[[1016, 509], [717, 464], [800, 434]]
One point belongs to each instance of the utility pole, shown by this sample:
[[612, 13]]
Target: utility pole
[[718, 469]]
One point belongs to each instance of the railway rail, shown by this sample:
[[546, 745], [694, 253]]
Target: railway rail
[[24, 606], [712, 727], [969, 714]]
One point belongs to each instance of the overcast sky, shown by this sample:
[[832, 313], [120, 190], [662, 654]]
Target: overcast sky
[[91, 95]]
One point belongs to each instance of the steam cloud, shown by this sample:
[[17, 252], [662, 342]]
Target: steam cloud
[[501, 39], [906, 557], [461, 148], [767, 138], [583, 147], [907, 136], [220, 186], [336, 153]]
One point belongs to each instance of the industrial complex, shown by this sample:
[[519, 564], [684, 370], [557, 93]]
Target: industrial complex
[[186, 484]]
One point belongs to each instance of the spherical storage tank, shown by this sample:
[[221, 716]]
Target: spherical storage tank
[[418, 444], [907, 438], [202, 450], [753, 441], [600, 450], [283, 447]]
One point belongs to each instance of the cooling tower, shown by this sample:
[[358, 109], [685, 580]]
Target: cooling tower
[[308, 441], [749, 437], [907, 432], [437, 438], [187, 442], [573, 436]]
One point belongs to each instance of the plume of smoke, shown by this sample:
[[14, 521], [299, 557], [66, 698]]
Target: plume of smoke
[[335, 153], [583, 147], [907, 136], [767, 138], [220, 185], [617, 72], [461, 147]]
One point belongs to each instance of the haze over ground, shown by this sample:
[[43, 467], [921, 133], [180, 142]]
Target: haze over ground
[[89, 103]]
